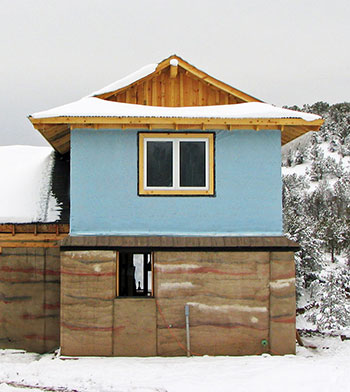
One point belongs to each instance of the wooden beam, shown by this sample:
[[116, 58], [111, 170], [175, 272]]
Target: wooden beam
[[182, 120], [28, 228], [173, 71], [32, 237]]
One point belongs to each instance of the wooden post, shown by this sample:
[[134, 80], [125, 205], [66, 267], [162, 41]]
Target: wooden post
[[145, 274], [117, 275]]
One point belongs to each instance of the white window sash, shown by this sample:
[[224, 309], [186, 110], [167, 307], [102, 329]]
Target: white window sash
[[176, 163]]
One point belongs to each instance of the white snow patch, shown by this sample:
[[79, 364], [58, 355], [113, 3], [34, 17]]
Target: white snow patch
[[174, 62], [96, 107], [254, 320], [281, 283], [25, 177], [129, 79], [228, 308], [176, 285], [322, 369]]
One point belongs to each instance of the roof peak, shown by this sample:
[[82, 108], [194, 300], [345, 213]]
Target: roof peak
[[149, 71]]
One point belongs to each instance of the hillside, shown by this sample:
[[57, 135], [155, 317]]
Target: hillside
[[316, 203]]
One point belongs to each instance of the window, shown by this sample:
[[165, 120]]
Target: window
[[176, 164], [134, 274]]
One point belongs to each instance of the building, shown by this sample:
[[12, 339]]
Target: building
[[175, 199]]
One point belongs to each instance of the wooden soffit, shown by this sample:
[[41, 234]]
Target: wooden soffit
[[56, 130]]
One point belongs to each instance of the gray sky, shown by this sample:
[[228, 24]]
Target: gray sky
[[55, 51]]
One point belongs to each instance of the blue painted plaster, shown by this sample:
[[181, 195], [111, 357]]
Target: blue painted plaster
[[104, 198]]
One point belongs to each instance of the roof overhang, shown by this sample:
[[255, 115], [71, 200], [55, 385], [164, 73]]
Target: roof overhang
[[57, 130]]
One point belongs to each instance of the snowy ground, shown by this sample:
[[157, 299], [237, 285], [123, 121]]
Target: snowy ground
[[325, 368]]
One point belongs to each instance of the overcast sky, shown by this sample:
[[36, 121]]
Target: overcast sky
[[55, 51]]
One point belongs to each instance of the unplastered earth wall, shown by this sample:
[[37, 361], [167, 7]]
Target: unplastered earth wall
[[29, 298], [240, 303]]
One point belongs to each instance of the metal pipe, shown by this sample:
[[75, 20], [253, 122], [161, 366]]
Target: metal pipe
[[187, 315]]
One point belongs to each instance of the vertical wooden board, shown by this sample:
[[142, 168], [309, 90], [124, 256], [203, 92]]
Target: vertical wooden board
[[154, 91], [217, 97], [181, 88], [177, 90], [195, 92], [188, 91], [172, 92], [87, 294], [222, 98], [210, 96], [200, 93], [128, 95], [159, 91], [163, 90], [140, 97], [146, 92], [134, 330]]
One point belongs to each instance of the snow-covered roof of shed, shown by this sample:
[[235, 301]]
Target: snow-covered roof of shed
[[96, 107], [25, 178]]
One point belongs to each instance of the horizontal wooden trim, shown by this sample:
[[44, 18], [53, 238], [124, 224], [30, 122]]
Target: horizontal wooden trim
[[176, 242], [178, 192], [28, 244], [171, 121], [40, 235], [31, 228]]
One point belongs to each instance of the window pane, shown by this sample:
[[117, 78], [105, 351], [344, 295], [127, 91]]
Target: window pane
[[159, 163], [192, 164]]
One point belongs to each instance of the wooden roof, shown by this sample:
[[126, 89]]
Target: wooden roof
[[173, 242], [171, 85]]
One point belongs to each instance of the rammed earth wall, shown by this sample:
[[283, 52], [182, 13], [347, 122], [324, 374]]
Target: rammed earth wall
[[29, 298], [240, 303]]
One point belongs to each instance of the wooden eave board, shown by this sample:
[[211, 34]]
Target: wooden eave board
[[59, 135], [173, 86], [32, 235], [178, 242]]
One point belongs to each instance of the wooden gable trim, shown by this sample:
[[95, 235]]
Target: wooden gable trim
[[173, 71]]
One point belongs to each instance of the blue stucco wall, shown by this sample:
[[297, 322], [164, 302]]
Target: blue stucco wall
[[104, 196]]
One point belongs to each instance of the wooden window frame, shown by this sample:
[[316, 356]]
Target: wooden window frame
[[176, 189]]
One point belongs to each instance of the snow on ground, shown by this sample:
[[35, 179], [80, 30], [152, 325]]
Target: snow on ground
[[25, 178], [322, 369]]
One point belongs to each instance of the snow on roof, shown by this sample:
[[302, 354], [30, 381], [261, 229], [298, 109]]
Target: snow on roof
[[96, 107], [25, 178], [129, 79]]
